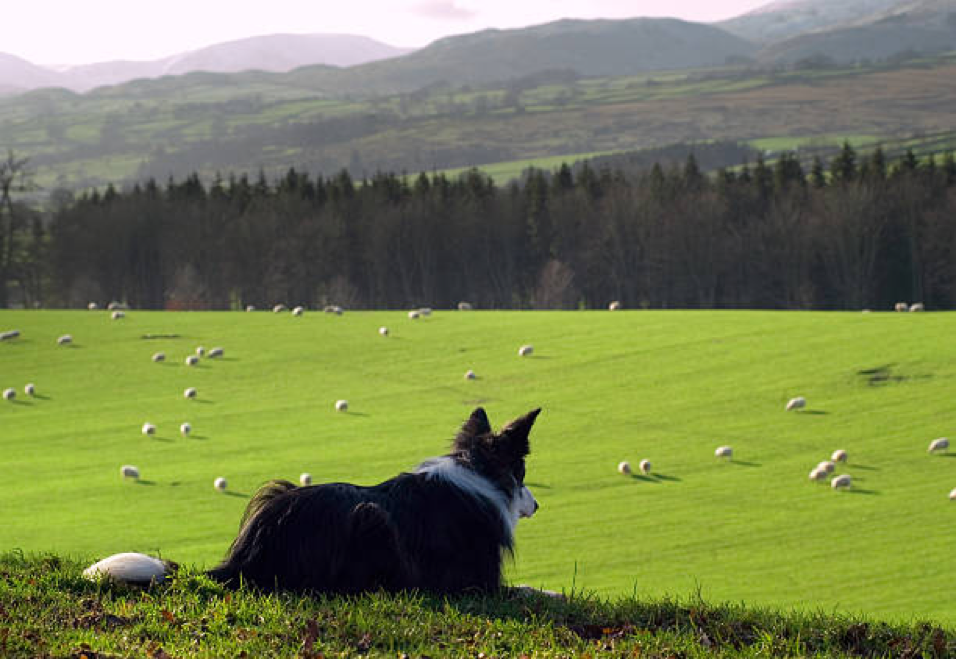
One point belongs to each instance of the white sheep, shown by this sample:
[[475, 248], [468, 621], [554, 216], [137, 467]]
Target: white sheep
[[200, 351], [383, 331], [190, 392], [129, 471], [797, 403], [9, 334], [901, 306], [149, 428], [66, 339], [827, 465], [413, 314], [841, 482], [918, 306], [465, 306], [29, 389], [470, 374], [724, 452], [279, 308], [645, 466], [215, 352], [525, 350], [425, 311], [342, 405], [624, 468], [614, 306], [818, 474], [305, 479], [9, 394], [297, 311], [939, 445], [839, 455], [220, 484], [192, 360], [185, 429], [92, 306], [952, 495], [117, 315], [337, 310], [112, 306], [159, 357]]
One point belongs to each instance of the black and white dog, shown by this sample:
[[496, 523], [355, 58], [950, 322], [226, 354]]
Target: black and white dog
[[443, 528]]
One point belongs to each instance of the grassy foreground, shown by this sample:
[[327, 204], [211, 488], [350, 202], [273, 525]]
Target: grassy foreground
[[48, 610], [666, 386]]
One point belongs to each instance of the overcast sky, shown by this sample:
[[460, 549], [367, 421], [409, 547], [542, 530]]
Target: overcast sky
[[84, 31]]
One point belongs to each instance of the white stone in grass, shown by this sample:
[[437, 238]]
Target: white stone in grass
[[9, 394], [724, 452], [839, 455], [190, 392], [159, 357], [64, 340], [644, 466], [342, 405], [841, 482], [220, 484], [129, 471], [305, 479], [624, 468], [939, 445], [192, 360], [185, 429], [29, 389], [525, 350], [149, 428], [797, 403]]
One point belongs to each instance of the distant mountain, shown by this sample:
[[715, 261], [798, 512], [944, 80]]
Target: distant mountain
[[784, 19], [18, 75]]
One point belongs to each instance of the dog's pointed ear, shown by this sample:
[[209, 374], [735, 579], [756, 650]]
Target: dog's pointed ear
[[515, 434], [477, 424]]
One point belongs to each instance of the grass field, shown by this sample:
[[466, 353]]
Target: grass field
[[667, 386]]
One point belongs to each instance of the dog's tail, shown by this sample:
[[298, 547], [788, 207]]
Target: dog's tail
[[131, 568]]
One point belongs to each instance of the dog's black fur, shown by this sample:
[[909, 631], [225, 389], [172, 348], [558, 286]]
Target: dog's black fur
[[414, 531]]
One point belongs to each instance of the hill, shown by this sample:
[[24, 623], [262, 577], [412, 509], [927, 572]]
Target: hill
[[784, 19]]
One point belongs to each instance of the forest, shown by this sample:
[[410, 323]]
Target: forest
[[853, 233]]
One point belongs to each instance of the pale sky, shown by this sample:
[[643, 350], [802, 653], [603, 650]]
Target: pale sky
[[85, 31]]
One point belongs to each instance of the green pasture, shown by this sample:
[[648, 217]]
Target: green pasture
[[669, 386]]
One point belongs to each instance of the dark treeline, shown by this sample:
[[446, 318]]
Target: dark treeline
[[852, 233]]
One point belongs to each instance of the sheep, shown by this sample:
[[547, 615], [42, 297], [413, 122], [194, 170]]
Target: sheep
[[952, 495], [220, 484], [279, 308], [465, 306], [614, 306], [827, 465], [92, 306], [190, 392], [117, 315], [305, 479], [645, 466], [383, 331], [470, 374], [129, 471], [425, 311], [149, 428], [901, 306], [624, 468], [29, 389], [413, 314], [297, 311], [159, 357], [185, 428], [192, 360], [342, 405], [9, 393], [114, 305], [841, 482], [525, 350], [66, 339], [797, 403], [200, 351], [9, 334], [918, 306], [215, 352], [250, 308], [333, 308], [839, 455], [818, 474], [939, 445], [724, 452]]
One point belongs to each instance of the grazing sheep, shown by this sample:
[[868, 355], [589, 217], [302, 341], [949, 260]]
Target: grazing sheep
[[114, 305], [939, 445], [9, 334], [129, 471], [952, 495], [841, 482], [901, 306], [465, 306], [645, 466], [190, 392], [827, 465], [525, 350], [279, 308], [724, 452], [333, 308], [220, 484], [918, 306], [29, 389], [818, 474], [185, 429], [797, 403], [624, 468], [215, 352], [383, 331], [200, 351], [9, 394], [250, 308], [425, 311], [614, 306], [149, 429], [839, 455], [64, 340], [413, 314], [342, 405], [92, 306], [305, 479], [159, 357], [470, 374], [297, 311], [192, 360], [117, 315]]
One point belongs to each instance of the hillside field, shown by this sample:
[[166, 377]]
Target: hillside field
[[669, 386]]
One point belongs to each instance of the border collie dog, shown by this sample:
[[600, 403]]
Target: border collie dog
[[444, 528]]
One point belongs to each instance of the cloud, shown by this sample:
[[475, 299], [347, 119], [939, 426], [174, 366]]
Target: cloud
[[442, 10]]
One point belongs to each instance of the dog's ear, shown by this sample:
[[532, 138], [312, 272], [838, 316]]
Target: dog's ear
[[515, 435], [477, 424]]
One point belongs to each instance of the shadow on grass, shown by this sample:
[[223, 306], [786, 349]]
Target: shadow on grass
[[42, 397], [204, 401], [350, 413], [241, 495], [814, 412], [863, 490], [853, 465], [145, 482], [946, 455], [665, 477], [165, 440], [646, 479], [17, 401], [199, 437], [745, 463]]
